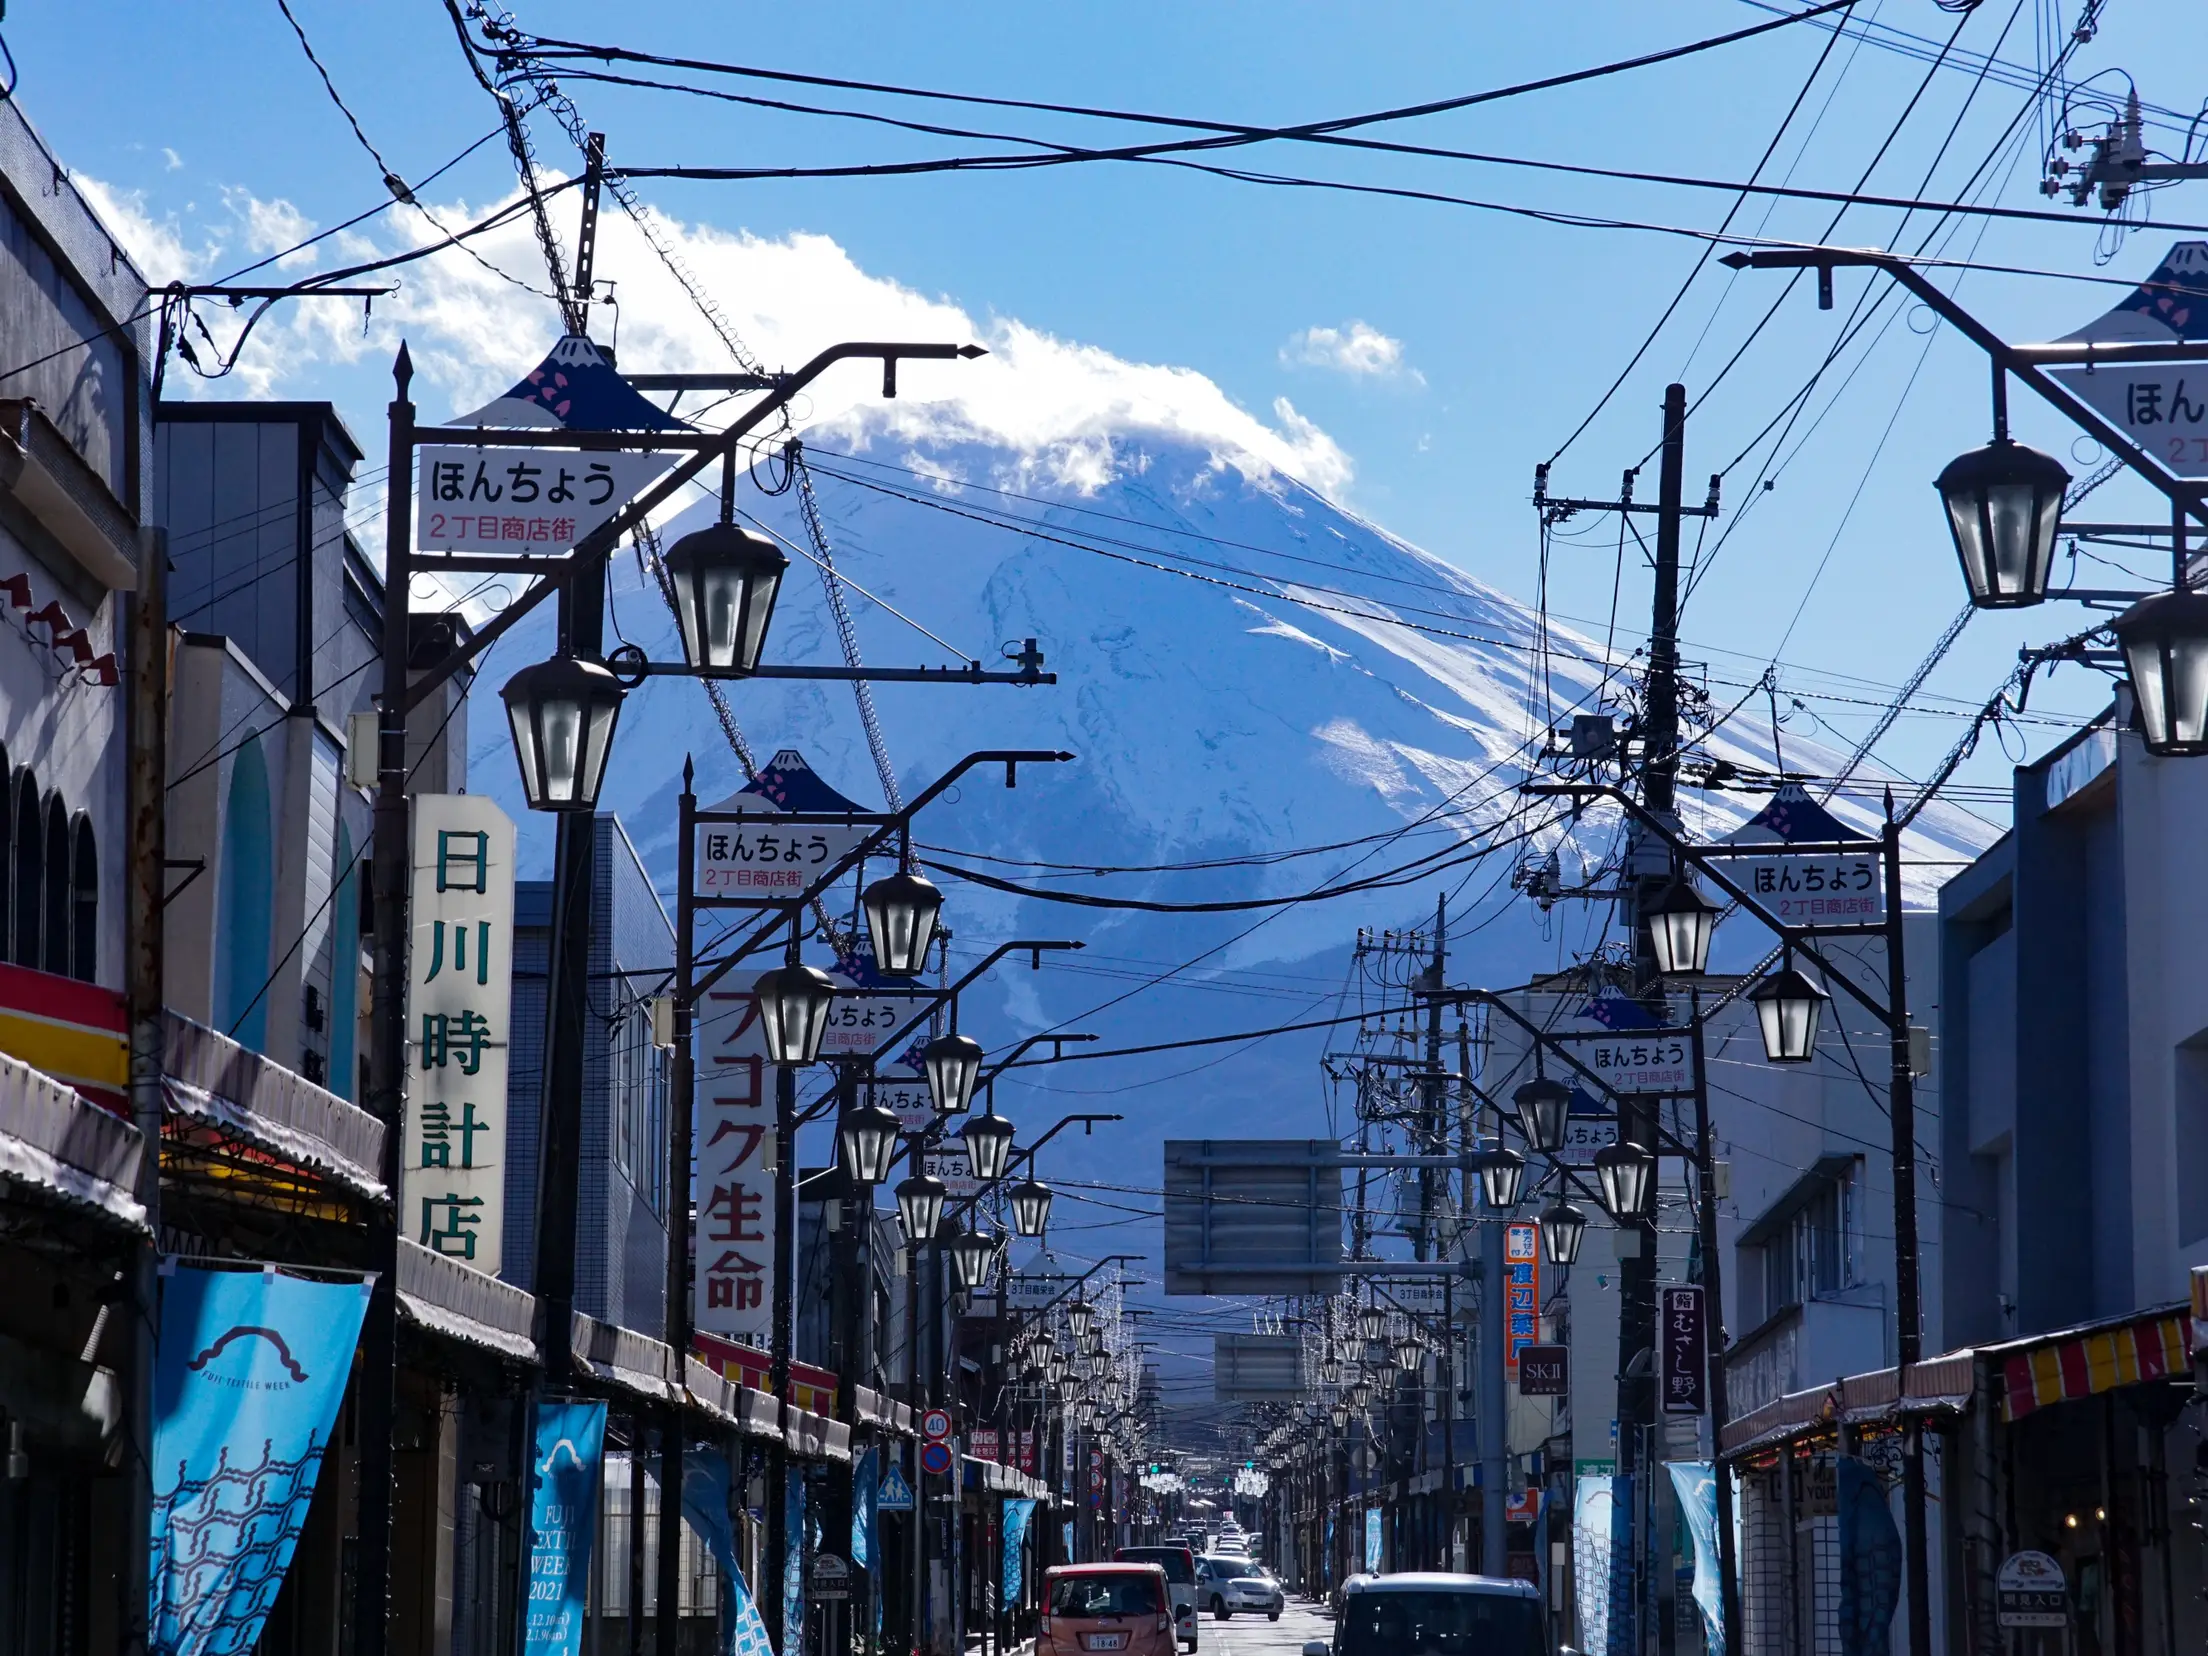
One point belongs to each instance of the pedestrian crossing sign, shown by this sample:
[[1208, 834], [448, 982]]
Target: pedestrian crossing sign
[[895, 1495]]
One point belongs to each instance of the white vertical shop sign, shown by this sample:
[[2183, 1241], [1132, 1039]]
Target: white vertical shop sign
[[459, 998], [732, 1291]]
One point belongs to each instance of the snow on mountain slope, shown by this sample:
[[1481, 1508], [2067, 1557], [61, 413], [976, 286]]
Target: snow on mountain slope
[[1244, 669]]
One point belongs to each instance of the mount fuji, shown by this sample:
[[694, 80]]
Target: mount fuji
[[1266, 695]]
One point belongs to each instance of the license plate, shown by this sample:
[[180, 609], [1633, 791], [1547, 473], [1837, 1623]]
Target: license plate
[[1104, 1641]]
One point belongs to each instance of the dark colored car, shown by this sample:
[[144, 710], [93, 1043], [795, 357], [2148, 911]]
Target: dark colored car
[[1436, 1614], [1179, 1565]]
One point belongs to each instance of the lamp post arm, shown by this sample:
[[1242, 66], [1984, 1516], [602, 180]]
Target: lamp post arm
[[1797, 936], [598, 545], [1029, 1043], [1022, 1158], [935, 998], [2006, 357]]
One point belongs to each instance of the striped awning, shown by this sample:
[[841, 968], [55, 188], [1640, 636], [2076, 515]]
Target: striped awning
[[2087, 1364]]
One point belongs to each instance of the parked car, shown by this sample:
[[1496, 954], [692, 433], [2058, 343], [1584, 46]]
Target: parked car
[[1227, 1583], [1090, 1608], [1435, 1613], [1179, 1565]]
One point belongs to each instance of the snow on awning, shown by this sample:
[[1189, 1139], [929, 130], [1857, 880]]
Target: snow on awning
[[63, 1149], [624, 1358], [449, 1298], [285, 1122]]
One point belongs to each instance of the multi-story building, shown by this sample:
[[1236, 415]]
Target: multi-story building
[[623, 1182]]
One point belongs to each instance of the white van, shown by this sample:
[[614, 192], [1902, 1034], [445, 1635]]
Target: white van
[[1434, 1613]]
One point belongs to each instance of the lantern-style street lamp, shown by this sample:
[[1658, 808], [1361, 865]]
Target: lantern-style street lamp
[[2004, 508], [1502, 1173], [1628, 1175], [901, 911], [972, 1252], [919, 1206], [1680, 925], [988, 1141], [1080, 1316], [1410, 1352], [1031, 1200], [794, 1001], [2165, 643], [1330, 1370], [1787, 1008], [953, 1063], [867, 1137], [562, 712], [1563, 1228], [725, 582], [1543, 1106], [1372, 1323]]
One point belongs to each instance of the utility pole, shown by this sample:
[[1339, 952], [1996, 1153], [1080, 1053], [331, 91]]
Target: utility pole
[[1494, 1396], [1659, 775], [391, 861], [1433, 1139], [1908, 1321]]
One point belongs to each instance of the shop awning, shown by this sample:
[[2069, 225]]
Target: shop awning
[[2086, 1361], [1940, 1383], [449, 1298], [815, 1436], [268, 1132], [883, 1414], [999, 1479], [60, 1148], [621, 1357]]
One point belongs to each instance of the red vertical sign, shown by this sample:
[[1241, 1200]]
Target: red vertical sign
[[1522, 1280]]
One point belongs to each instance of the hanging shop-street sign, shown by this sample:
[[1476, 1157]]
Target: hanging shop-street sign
[[776, 836], [1808, 888], [526, 500]]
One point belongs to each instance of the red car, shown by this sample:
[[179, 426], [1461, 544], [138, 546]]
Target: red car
[[1124, 1609]]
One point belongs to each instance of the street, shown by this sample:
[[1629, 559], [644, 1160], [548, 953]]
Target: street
[[1253, 1635]]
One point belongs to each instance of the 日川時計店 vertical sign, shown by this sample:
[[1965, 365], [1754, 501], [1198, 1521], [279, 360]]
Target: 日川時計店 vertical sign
[[459, 992], [521, 499]]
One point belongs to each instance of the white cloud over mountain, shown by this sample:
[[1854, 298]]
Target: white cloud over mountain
[[475, 323]]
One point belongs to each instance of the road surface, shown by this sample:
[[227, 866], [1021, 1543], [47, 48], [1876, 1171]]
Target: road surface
[[1253, 1635]]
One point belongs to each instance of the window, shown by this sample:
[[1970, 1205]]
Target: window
[[60, 889], [248, 902], [84, 942], [29, 904], [1106, 1593], [1809, 1249], [638, 1075]]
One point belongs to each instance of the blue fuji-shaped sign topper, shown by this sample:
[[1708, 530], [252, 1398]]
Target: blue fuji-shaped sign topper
[[577, 389]]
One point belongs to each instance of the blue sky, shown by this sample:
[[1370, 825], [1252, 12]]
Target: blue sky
[[1437, 352]]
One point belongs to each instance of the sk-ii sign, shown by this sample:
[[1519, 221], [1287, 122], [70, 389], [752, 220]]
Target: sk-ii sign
[[459, 994]]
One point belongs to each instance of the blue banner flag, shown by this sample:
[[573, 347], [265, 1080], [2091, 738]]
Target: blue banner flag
[[1016, 1515], [247, 1379], [862, 1509], [705, 1504], [1602, 1564], [563, 1523], [1870, 1560], [1695, 1483]]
